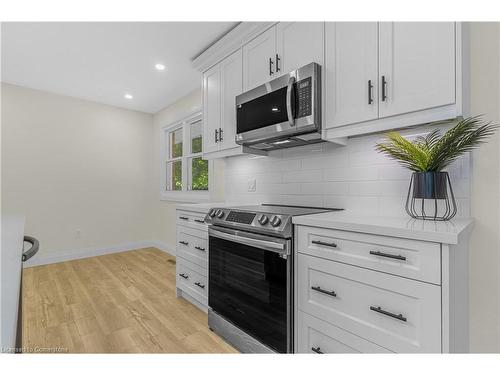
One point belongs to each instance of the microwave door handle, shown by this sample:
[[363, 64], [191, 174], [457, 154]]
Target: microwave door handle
[[289, 109]]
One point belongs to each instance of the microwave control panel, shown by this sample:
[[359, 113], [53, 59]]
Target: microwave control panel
[[303, 98]]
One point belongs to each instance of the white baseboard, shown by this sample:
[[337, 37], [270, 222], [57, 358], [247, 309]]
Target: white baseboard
[[63, 256], [163, 246]]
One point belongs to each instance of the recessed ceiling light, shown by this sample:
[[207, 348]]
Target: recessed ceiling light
[[128, 96], [159, 66]]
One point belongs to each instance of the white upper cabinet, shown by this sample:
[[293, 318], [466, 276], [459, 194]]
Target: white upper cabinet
[[382, 76], [351, 72], [259, 59], [221, 84], [232, 84], [211, 109], [298, 44], [375, 76], [282, 48], [417, 65]]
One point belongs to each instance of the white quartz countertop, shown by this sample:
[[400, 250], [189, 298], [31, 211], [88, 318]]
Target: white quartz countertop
[[11, 263], [448, 232]]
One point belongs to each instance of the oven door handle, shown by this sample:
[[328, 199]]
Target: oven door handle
[[276, 247], [289, 109]]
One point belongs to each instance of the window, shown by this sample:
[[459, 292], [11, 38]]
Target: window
[[185, 174]]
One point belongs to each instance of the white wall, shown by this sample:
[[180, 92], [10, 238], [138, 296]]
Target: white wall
[[484, 280], [164, 211], [70, 164]]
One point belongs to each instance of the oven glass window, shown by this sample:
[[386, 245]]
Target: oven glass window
[[247, 286], [263, 111]]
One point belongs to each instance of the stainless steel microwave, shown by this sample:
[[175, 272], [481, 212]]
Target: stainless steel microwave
[[282, 113]]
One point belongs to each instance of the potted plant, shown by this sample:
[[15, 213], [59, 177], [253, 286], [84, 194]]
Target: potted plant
[[427, 156]]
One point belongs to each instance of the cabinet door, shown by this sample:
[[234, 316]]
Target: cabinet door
[[351, 72], [417, 63], [211, 108], [258, 59], [298, 44], [232, 82]]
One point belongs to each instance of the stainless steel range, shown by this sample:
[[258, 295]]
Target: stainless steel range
[[250, 291]]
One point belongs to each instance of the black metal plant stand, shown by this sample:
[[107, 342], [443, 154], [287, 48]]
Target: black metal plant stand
[[430, 197]]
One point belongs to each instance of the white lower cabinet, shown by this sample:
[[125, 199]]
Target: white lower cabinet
[[361, 292], [192, 245], [399, 314], [192, 280], [192, 257], [318, 337]]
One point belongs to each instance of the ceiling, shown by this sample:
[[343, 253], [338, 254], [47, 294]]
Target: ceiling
[[104, 61]]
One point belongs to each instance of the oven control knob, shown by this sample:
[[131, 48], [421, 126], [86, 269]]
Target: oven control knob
[[275, 221], [212, 212], [263, 220], [220, 214]]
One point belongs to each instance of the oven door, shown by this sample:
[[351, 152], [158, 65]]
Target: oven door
[[250, 284], [286, 106]]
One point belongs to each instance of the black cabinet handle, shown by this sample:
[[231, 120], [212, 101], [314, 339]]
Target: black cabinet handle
[[384, 88], [392, 315], [385, 255], [216, 135], [199, 221], [370, 88], [277, 63], [221, 131], [321, 290], [317, 350], [183, 218], [184, 243], [199, 248], [184, 276], [329, 244], [271, 66], [200, 285]]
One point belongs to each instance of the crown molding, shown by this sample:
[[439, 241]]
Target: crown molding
[[229, 43]]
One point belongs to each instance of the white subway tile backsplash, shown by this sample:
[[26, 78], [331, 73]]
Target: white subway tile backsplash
[[394, 188], [365, 188], [336, 160], [303, 200], [269, 177], [291, 188], [350, 174], [354, 177], [333, 188], [302, 176], [393, 172]]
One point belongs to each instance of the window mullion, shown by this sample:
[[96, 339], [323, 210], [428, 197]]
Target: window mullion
[[185, 137]]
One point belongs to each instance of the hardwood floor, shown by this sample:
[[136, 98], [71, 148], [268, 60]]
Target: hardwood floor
[[117, 303]]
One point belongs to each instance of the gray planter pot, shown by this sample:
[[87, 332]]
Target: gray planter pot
[[430, 196], [430, 185]]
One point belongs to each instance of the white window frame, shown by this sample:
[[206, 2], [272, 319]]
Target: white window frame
[[183, 195]]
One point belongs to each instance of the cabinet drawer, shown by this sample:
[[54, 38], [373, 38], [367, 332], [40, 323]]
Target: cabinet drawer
[[191, 219], [192, 245], [317, 336], [191, 280], [413, 259], [399, 314]]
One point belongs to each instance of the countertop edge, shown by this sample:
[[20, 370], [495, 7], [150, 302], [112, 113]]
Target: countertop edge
[[409, 233]]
